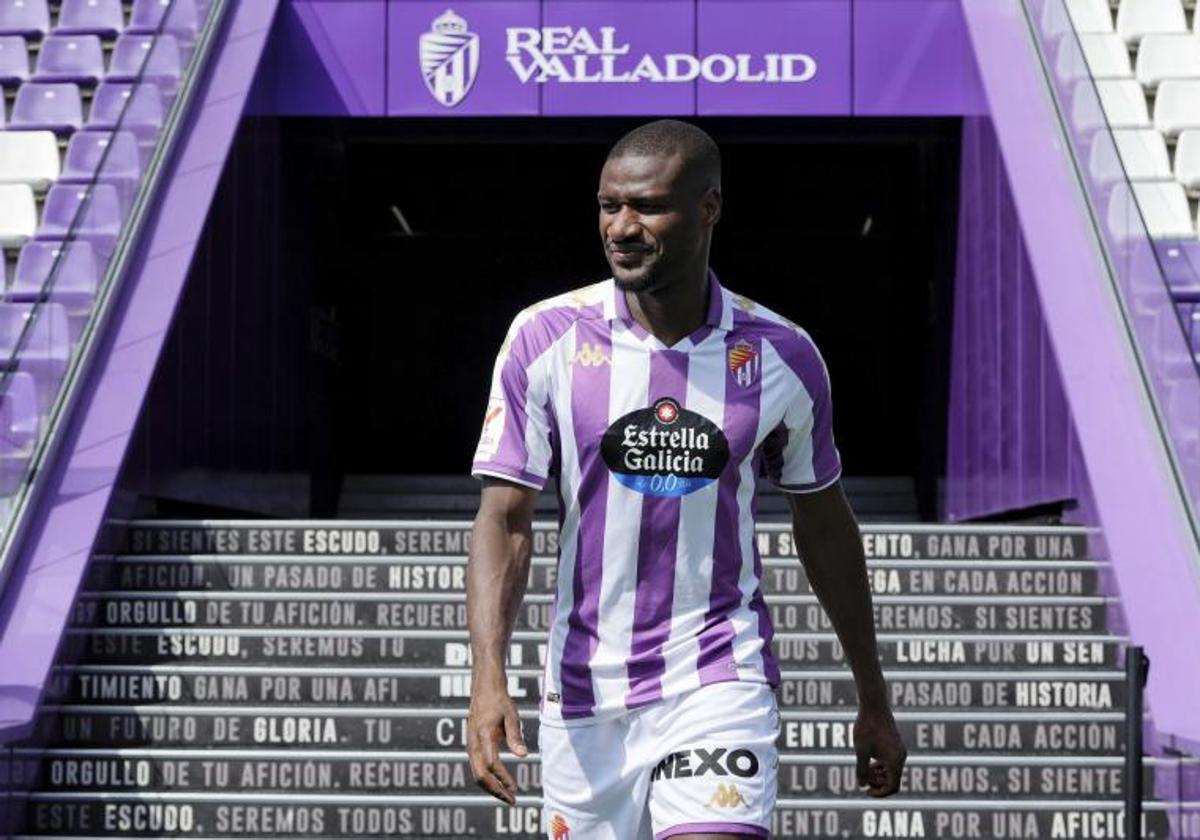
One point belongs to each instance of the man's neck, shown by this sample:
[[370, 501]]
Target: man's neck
[[675, 311]]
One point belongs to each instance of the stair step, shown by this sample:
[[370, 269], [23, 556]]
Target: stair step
[[298, 686], [219, 645], [413, 772], [228, 814], [421, 728], [448, 574], [426, 537]]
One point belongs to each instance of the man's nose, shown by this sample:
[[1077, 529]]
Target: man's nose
[[626, 224]]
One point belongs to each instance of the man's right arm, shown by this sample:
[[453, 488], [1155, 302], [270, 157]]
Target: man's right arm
[[497, 574]]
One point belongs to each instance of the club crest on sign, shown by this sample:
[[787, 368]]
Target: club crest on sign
[[744, 363], [449, 59]]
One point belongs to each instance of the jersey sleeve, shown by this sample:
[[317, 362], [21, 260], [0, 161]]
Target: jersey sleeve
[[515, 441], [801, 456]]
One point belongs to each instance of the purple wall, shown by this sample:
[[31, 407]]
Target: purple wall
[[1011, 441], [835, 57]]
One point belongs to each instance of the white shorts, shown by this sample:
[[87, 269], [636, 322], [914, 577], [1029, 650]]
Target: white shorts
[[704, 761]]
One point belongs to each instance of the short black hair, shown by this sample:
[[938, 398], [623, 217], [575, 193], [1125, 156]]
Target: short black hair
[[669, 137]]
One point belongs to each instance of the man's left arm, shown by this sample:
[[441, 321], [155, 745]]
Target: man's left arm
[[831, 550]]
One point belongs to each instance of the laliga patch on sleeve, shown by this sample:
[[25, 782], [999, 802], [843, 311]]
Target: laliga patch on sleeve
[[493, 425]]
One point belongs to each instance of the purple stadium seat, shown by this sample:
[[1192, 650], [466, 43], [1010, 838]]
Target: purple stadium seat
[[100, 17], [149, 57], [175, 16], [18, 410], [53, 107], [111, 157], [45, 350], [143, 116], [14, 61], [91, 212], [70, 58], [76, 278], [24, 17], [1180, 261]]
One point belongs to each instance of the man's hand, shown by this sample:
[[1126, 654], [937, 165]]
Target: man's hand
[[493, 719], [880, 751]]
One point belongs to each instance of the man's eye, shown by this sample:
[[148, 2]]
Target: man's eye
[[609, 208]]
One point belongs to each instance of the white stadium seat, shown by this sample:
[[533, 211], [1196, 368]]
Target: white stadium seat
[[1090, 15], [1177, 106], [29, 157], [1107, 56], [1139, 154], [1187, 160], [1165, 209], [1162, 57], [1124, 103], [1138, 18], [18, 214]]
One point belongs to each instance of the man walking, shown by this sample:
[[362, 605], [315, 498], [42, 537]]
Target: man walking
[[656, 397]]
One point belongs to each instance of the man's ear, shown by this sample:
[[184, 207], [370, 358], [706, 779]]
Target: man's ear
[[710, 206]]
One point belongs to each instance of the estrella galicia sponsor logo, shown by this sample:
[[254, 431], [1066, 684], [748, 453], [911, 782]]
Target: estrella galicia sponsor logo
[[719, 761], [665, 450], [449, 59]]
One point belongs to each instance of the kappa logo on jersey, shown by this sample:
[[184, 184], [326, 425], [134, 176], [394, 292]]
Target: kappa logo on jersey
[[493, 425], [744, 363], [449, 59], [590, 355], [727, 796], [718, 761], [559, 830], [665, 450]]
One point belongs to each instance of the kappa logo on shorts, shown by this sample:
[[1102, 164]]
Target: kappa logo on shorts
[[559, 830], [727, 796], [718, 761]]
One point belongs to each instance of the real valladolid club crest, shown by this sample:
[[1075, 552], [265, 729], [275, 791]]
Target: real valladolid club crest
[[744, 363], [449, 59]]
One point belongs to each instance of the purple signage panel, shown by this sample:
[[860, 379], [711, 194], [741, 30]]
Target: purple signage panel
[[612, 58], [449, 58], [774, 57]]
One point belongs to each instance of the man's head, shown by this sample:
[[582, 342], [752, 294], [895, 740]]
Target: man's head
[[660, 195]]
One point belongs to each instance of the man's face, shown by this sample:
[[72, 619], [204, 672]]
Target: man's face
[[653, 219]]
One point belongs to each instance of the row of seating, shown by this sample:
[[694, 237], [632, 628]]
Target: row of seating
[[1158, 58], [33, 19], [1133, 21], [81, 59], [59, 107], [1142, 154]]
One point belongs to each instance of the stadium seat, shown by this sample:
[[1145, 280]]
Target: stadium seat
[[112, 157], [1139, 154], [29, 157], [1180, 263], [1177, 106], [149, 57], [54, 107], [1187, 160], [1090, 15], [153, 16], [1162, 57], [14, 61], [99, 17], [1139, 18], [90, 212], [44, 348], [18, 411], [1107, 56], [1124, 103], [18, 214], [74, 284], [1164, 209], [70, 58], [24, 17], [133, 107]]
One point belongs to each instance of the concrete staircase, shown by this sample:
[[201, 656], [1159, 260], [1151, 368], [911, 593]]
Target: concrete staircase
[[236, 678]]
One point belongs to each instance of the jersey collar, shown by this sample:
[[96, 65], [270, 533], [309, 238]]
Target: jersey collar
[[720, 309]]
